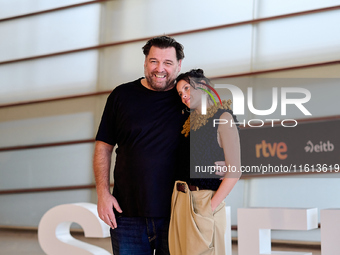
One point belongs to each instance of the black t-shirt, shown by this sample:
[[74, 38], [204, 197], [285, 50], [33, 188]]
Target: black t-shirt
[[146, 125]]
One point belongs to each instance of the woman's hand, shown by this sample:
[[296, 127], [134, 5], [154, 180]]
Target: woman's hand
[[213, 205], [219, 166]]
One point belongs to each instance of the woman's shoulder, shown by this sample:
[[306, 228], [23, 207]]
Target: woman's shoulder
[[226, 113]]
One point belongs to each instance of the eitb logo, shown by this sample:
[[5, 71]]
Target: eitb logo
[[319, 147]]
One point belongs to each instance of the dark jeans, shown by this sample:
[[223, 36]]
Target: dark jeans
[[140, 236]]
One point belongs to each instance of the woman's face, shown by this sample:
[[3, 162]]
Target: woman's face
[[190, 97]]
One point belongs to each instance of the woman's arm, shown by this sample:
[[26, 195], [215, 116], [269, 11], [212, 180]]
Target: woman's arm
[[230, 142]]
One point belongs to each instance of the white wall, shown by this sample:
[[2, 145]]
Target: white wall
[[280, 43]]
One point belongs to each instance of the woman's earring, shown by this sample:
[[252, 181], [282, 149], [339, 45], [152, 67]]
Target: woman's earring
[[186, 109]]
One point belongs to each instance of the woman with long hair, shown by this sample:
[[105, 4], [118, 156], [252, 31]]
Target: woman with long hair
[[198, 216]]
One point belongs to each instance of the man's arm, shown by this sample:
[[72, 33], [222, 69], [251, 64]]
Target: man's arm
[[101, 168]]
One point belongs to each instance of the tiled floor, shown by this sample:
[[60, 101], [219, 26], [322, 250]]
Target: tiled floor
[[13, 242]]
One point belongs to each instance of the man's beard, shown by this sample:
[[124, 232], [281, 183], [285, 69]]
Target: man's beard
[[165, 85]]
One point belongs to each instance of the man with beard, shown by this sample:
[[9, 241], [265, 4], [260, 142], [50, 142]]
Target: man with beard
[[144, 118]]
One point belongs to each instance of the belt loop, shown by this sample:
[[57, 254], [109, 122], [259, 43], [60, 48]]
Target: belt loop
[[192, 187], [182, 187]]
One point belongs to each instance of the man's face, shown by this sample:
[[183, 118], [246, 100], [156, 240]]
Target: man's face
[[161, 68]]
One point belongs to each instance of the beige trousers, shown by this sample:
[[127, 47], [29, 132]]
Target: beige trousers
[[194, 228]]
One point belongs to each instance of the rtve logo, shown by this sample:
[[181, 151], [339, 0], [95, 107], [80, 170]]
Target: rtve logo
[[271, 150]]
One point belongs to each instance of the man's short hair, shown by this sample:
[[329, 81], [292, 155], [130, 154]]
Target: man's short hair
[[164, 42]]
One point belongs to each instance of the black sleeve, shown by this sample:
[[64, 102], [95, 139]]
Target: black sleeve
[[107, 129]]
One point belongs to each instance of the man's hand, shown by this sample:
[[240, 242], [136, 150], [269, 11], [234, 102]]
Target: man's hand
[[101, 169], [105, 209]]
